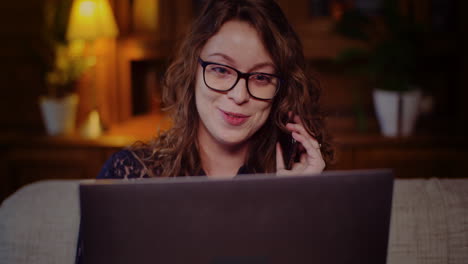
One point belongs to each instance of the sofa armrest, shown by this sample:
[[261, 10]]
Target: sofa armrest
[[40, 223]]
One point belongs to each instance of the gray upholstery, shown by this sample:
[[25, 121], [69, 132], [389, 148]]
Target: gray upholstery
[[39, 223], [429, 222]]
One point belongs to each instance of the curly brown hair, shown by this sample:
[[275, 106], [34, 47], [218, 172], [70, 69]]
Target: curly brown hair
[[176, 152]]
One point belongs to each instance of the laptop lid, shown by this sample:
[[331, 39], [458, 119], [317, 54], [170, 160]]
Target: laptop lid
[[334, 217]]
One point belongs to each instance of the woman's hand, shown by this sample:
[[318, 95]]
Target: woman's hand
[[311, 160]]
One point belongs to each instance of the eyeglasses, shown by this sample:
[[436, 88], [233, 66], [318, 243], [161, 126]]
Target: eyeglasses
[[223, 78]]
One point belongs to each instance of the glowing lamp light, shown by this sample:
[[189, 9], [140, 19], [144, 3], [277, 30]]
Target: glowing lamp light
[[91, 19], [87, 8]]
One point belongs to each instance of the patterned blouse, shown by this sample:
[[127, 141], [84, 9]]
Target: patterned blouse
[[125, 164]]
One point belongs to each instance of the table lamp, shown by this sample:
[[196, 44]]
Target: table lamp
[[90, 20]]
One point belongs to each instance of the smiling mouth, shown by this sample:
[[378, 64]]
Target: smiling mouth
[[234, 119]]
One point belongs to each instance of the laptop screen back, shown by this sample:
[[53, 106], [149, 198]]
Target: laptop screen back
[[335, 217]]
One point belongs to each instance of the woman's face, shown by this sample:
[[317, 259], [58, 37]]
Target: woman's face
[[231, 118]]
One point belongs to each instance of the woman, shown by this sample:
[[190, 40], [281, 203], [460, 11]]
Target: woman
[[238, 77]]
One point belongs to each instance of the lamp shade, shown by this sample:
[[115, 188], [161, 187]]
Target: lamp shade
[[91, 19]]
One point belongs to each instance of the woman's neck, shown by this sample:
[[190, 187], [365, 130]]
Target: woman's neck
[[220, 161]]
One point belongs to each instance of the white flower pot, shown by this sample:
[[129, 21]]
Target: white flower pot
[[397, 112], [59, 114]]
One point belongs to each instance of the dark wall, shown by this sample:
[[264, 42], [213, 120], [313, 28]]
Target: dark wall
[[21, 80]]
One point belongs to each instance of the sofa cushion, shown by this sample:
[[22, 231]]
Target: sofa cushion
[[39, 224], [429, 224], [455, 198], [429, 221]]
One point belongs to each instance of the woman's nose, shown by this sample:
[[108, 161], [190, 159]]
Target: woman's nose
[[239, 93]]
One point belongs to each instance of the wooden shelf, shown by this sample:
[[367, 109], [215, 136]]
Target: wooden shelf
[[319, 40]]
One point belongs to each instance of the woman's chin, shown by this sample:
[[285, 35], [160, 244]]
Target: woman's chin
[[232, 140]]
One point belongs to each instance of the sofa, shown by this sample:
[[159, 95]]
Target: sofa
[[39, 223]]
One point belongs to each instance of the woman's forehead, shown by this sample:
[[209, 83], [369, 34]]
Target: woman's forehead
[[237, 42]]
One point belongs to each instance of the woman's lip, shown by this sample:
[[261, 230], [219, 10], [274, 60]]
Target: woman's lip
[[235, 114], [234, 119]]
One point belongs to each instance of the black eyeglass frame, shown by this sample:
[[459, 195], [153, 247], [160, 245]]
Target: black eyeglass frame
[[240, 75]]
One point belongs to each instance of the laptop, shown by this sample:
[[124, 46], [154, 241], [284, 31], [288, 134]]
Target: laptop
[[334, 217]]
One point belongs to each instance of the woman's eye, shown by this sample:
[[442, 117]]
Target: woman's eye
[[264, 79], [220, 70]]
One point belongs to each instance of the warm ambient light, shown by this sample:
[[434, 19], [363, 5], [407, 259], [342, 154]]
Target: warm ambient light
[[91, 19]]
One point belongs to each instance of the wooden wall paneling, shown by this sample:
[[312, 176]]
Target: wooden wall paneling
[[174, 17], [409, 162], [21, 18], [316, 32], [19, 108], [106, 80], [342, 97], [297, 13], [5, 182], [419, 10], [25, 159], [122, 15], [108, 152], [320, 42], [344, 159], [123, 106], [29, 164], [130, 49], [169, 17], [462, 23], [183, 10]]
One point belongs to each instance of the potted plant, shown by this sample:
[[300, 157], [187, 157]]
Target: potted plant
[[60, 104], [63, 68], [390, 60]]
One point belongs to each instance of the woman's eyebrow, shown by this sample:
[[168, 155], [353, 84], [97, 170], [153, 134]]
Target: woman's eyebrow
[[233, 63], [224, 56], [262, 65]]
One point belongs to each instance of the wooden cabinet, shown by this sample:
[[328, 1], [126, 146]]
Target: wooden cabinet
[[413, 157], [26, 159]]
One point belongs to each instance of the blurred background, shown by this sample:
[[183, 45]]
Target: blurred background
[[81, 79]]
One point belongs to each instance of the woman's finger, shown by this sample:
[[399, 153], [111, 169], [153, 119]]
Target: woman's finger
[[311, 159], [279, 158], [311, 150], [298, 121], [298, 128], [303, 158]]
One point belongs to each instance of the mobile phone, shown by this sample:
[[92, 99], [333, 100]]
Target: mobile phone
[[289, 147]]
